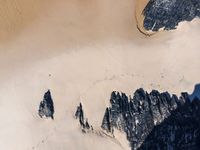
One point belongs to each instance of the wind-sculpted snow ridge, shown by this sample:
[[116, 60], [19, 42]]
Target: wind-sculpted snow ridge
[[46, 108], [138, 115], [167, 14]]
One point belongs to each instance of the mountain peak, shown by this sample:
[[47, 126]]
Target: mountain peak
[[196, 92]]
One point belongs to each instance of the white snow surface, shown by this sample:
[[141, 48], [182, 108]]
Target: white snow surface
[[82, 51]]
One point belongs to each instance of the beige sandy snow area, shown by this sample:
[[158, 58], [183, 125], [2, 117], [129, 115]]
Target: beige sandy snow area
[[82, 50]]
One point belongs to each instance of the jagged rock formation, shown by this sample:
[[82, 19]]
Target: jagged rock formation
[[82, 120], [138, 115], [180, 131], [196, 92], [46, 107], [168, 13]]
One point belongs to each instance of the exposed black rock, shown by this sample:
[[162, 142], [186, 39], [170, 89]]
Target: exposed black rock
[[180, 131], [107, 120], [46, 108], [138, 115], [168, 13], [80, 115], [87, 125], [196, 92], [82, 120]]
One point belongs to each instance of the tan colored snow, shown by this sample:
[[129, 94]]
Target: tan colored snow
[[82, 50]]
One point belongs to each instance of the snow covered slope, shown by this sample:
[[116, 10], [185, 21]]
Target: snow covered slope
[[82, 51]]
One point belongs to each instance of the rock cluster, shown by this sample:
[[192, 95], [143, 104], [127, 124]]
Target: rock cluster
[[82, 120], [138, 115], [46, 107], [168, 13]]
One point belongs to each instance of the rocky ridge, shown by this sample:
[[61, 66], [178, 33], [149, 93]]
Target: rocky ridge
[[180, 131], [138, 115], [167, 14]]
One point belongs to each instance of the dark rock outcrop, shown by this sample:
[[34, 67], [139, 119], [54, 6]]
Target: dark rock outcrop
[[180, 131], [196, 92], [80, 115], [82, 120], [168, 13], [46, 107], [138, 115]]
